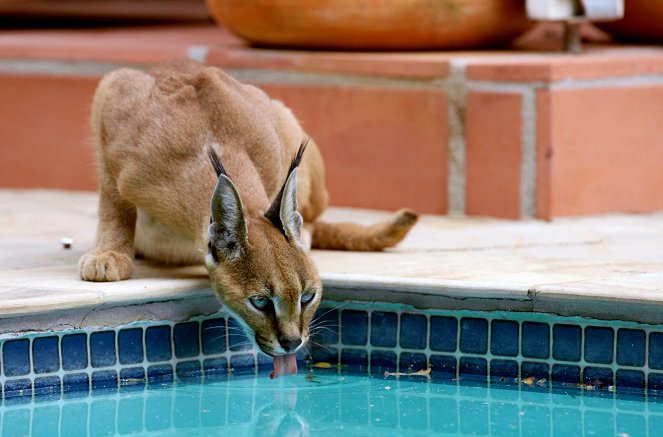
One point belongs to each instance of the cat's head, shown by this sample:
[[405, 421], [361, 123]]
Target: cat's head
[[259, 265]]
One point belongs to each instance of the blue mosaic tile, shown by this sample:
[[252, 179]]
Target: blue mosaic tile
[[186, 337], [47, 385], [74, 351], [656, 350], [598, 345], [655, 383], [413, 331], [70, 419], [237, 338], [355, 327], [16, 357], [566, 342], [130, 346], [242, 363], [75, 382], [384, 329], [630, 379], [325, 326], [598, 376], [213, 336], [504, 338], [104, 379], [160, 374], [443, 333], [265, 362], [631, 347], [500, 369], [102, 349], [473, 335], [535, 340], [565, 374], [412, 362], [188, 371], [538, 370], [45, 354], [472, 368], [157, 343], [384, 360], [215, 368], [355, 358], [443, 366], [132, 377], [18, 388]]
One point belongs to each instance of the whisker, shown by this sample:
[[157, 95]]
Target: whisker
[[316, 329], [329, 311], [321, 345], [240, 346], [322, 323]]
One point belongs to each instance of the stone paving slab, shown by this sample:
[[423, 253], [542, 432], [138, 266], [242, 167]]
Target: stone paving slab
[[602, 267]]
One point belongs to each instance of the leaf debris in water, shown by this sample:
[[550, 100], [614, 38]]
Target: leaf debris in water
[[424, 372]]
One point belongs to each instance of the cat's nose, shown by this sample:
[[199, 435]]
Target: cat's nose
[[290, 343]]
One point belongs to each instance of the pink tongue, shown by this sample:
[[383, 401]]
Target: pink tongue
[[284, 365]]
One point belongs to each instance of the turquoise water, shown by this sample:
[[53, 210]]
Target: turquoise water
[[327, 403]]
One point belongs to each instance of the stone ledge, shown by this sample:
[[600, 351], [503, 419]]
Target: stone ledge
[[607, 267]]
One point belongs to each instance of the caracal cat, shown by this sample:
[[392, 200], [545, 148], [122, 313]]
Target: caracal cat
[[196, 167]]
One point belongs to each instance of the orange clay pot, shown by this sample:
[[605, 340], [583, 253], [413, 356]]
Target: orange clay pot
[[373, 24], [642, 22]]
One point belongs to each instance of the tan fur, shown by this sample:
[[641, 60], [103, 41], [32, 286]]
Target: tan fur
[[153, 131]]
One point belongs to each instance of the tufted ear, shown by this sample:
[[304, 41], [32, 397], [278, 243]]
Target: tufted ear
[[283, 211], [227, 230]]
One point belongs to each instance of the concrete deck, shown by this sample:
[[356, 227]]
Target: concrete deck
[[608, 267]]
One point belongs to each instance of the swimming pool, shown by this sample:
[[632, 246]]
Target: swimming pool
[[331, 403], [491, 373]]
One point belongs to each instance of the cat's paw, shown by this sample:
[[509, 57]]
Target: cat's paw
[[105, 266]]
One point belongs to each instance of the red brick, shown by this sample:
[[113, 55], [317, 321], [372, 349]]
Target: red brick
[[493, 157], [406, 65], [45, 140], [606, 150], [594, 64], [383, 148]]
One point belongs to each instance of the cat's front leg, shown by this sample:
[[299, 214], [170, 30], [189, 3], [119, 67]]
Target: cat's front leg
[[112, 259]]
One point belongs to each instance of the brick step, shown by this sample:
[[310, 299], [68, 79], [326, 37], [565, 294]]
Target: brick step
[[515, 134]]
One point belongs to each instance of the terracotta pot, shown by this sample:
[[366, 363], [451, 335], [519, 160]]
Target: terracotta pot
[[373, 24], [642, 22]]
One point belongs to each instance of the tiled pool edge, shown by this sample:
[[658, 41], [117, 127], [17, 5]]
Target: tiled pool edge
[[502, 346], [559, 300]]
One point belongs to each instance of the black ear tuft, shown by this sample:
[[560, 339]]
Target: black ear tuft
[[300, 154], [216, 162], [274, 212]]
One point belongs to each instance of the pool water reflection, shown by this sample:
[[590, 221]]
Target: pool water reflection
[[325, 402]]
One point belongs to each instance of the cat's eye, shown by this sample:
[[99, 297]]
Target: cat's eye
[[260, 302], [307, 297]]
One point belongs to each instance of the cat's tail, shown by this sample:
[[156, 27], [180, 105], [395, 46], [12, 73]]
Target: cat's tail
[[354, 237]]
